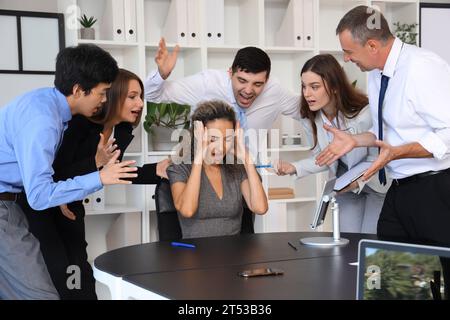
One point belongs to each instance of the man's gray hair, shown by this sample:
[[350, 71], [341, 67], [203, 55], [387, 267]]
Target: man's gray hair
[[365, 23]]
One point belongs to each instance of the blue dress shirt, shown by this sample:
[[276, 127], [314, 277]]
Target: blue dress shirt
[[31, 130]]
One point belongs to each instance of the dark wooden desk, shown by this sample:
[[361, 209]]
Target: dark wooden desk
[[210, 270]]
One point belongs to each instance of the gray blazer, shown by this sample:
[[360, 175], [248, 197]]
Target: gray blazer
[[359, 124]]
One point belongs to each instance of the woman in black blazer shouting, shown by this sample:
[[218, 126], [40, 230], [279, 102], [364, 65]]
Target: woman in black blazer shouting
[[88, 144]]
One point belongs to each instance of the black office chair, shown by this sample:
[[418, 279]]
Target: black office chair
[[248, 220], [168, 225]]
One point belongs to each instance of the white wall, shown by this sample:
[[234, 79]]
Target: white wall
[[29, 5], [433, 22], [12, 85]]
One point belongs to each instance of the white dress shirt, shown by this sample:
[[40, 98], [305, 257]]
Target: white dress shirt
[[335, 124], [416, 107], [216, 84], [357, 125]]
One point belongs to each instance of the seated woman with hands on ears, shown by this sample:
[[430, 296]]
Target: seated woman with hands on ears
[[208, 191]]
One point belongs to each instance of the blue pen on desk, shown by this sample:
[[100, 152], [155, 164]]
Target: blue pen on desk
[[181, 244], [263, 166]]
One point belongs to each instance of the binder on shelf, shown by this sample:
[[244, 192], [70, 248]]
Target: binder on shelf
[[119, 21], [98, 200], [290, 32], [112, 24], [193, 25], [87, 202], [129, 7], [308, 23], [175, 26], [215, 24]]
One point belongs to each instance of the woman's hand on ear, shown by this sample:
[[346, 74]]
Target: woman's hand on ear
[[242, 152], [201, 143]]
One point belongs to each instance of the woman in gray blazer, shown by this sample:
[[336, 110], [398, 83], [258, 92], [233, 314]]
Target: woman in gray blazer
[[328, 98]]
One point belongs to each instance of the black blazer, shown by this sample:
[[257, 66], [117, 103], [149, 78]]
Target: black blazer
[[76, 155]]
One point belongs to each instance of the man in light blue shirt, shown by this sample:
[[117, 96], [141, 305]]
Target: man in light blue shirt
[[31, 130]]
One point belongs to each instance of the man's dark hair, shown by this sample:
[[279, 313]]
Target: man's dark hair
[[365, 23], [251, 59], [86, 65]]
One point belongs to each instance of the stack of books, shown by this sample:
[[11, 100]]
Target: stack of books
[[281, 193]]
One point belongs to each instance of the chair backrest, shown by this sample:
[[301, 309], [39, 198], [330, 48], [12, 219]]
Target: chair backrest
[[248, 219], [168, 224]]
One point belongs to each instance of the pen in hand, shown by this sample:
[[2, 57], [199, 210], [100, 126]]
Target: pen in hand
[[292, 246]]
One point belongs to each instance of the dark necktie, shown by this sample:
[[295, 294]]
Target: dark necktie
[[384, 84]]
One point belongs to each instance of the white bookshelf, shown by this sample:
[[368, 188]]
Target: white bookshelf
[[242, 23], [299, 148], [113, 209], [294, 200]]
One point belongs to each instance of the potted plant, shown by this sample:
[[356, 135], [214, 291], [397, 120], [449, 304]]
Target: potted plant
[[406, 32], [162, 119], [87, 32]]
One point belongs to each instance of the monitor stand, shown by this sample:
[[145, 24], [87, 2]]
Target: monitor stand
[[336, 239]]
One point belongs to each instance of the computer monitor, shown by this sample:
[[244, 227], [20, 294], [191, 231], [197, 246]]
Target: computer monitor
[[402, 271], [322, 206]]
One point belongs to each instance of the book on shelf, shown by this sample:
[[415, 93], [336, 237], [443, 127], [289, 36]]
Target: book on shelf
[[175, 29], [281, 193], [215, 24], [297, 26], [118, 22]]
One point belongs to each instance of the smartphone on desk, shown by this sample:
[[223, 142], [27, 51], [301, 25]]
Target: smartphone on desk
[[260, 272]]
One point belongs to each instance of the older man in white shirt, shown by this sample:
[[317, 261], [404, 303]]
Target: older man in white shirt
[[412, 127]]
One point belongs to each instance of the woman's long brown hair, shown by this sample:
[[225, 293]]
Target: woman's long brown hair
[[347, 99]]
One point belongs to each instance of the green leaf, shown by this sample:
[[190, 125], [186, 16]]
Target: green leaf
[[406, 32], [151, 108], [162, 110], [147, 127], [87, 22], [170, 115], [179, 110]]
